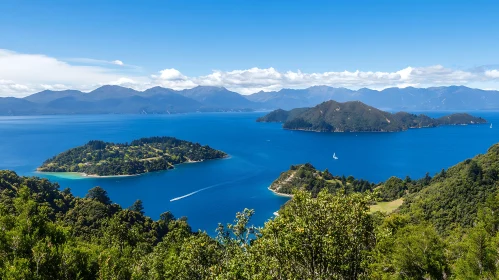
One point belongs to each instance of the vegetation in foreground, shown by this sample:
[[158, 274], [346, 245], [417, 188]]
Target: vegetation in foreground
[[140, 156], [355, 116], [448, 229]]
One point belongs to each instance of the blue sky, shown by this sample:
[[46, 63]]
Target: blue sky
[[197, 37]]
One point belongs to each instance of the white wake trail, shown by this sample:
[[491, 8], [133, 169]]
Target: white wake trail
[[209, 187], [189, 194]]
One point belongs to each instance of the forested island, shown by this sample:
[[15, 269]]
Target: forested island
[[355, 116], [446, 228], [99, 158]]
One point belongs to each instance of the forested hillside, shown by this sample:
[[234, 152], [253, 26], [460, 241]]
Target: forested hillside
[[140, 156], [454, 196], [305, 177], [447, 228], [355, 116]]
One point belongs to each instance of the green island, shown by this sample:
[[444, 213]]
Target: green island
[[355, 116], [99, 158], [437, 227]]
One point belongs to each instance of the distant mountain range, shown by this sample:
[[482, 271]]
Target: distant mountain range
[[120, 100], [407, 99], [355, 116]]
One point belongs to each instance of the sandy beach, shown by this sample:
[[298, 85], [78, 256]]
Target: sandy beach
[[280, 194]]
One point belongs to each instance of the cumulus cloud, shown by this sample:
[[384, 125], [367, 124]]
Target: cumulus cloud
[[172, 78], [492, 73], [23, 74], [257, 79], [118, 62]]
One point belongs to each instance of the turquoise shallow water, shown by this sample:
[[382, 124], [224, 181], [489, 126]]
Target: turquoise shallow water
[[213, 191]]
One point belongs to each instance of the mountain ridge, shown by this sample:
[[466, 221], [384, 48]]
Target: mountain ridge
[[109, 99]]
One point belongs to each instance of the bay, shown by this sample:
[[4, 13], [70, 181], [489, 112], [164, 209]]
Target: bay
[[213, 191]]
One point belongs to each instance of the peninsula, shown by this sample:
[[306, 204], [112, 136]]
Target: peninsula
[[99, 158], [304, 177], [355, 116]]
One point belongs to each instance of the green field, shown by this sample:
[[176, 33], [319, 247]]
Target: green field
[[387, 207]]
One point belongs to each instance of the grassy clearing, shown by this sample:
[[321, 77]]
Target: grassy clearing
[[387, 207]]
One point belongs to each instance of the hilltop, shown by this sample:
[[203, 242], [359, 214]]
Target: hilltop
[[355, 116]]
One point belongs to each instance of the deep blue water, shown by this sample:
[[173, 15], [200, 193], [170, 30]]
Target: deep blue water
[[259, 153]]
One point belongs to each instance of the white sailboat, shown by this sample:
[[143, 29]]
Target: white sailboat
[[490, 125], [334, 156]]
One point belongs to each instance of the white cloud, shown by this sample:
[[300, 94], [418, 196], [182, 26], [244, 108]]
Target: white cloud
[[24, 74], [172, 78], [118, 62], [92, 61], [492, 73], [256, 79]]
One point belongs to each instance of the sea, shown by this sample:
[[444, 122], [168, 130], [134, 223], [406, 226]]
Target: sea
[[212, 192]]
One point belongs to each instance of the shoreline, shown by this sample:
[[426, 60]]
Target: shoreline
[[280, 194], [82, 175]]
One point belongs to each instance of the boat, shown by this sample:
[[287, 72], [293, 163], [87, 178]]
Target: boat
[[334, 156], [490, 125]]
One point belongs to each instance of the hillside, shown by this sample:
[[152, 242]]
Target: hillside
[[355, 116], [140, 156], [305, 177], [455, 195]]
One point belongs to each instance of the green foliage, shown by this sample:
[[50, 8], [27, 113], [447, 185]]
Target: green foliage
[[477, 255], [141, 156], [46, 233], [310, 239], [393, 188], [99, 194], [418, 253], [453, 197], [137, 206], [305, 177]]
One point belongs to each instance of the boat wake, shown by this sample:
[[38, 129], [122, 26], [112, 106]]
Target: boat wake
[[192, 193], [209, 187]]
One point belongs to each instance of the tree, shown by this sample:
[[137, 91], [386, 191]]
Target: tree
[[478, 256], [137, 207], [328, 237], [99, 194], [418, 253]]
